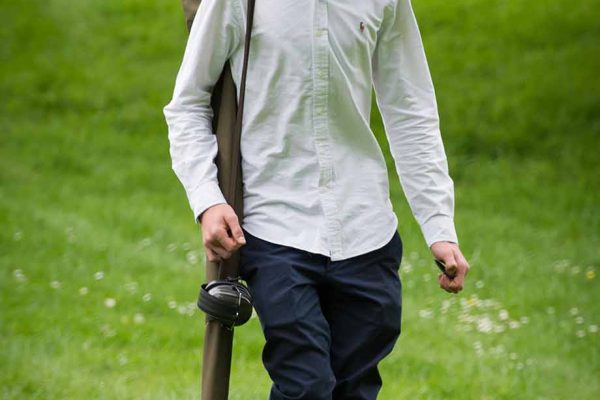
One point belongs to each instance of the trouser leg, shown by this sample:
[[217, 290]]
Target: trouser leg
[[283, 282], [363, 307]]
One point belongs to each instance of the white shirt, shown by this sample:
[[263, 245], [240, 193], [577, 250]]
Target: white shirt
[[314, 175]]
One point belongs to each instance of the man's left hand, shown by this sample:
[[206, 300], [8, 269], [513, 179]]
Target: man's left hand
[[457, 266]]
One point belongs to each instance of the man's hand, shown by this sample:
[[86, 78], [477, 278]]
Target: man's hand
[[456, 266], [221, 232]]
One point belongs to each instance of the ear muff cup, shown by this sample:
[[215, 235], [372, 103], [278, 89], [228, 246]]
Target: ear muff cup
[[227, 301]]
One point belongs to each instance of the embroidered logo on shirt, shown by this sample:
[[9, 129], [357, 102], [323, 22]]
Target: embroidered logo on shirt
[[362, 26]]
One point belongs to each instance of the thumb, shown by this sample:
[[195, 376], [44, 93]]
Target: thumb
[[236, 230], [451, 266]]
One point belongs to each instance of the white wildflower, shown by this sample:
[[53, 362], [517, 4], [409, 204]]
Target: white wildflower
[[474, 301], [192, 257], [489, 303], [574, 311], [478, 348], [445, 306], [131, 287], [498, 349], [485, 325], [138, 318], [107, 331], [466, 317], [122, 359], [561, 265], [190, 308], [19, 275]]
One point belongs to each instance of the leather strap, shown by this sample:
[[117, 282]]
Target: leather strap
[[235, 160]]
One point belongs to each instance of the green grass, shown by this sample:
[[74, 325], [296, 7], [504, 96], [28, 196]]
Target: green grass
[[86, 187]]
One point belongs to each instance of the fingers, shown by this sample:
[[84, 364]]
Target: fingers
[[221, 232], [220, 244], [212, 246], [231, 237], [222, 240], [236, 230], [456, 266], [451, 264], [444, 282], [453, 285], [211, 255], [221, 252], [457, 269], [456, 284], [216, 253], [443, 251]]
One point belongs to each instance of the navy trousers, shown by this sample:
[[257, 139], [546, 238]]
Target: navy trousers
[[327, 324]]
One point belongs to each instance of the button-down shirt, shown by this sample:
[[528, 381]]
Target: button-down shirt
[[314, 176]]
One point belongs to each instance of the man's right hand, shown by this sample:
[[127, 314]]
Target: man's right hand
[[221, 232]]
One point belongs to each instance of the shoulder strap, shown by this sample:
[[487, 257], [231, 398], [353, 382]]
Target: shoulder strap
[[249, 20], [237, 132]]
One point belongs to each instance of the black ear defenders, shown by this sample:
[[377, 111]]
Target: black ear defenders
[[227, 301]]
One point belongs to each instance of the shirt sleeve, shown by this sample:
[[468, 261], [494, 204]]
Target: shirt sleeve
[[406, 99], [214, 35]]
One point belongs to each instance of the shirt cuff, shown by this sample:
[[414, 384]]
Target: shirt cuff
[[439, 228], [205, 196]]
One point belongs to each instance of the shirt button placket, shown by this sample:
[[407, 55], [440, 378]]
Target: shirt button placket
[[321, 128]]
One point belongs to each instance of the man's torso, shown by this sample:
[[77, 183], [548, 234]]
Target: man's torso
[[314, 175]]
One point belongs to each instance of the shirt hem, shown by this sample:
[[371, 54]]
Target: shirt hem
[[356, 253]]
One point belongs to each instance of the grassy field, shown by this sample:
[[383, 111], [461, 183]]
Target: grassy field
[[100, 261]]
